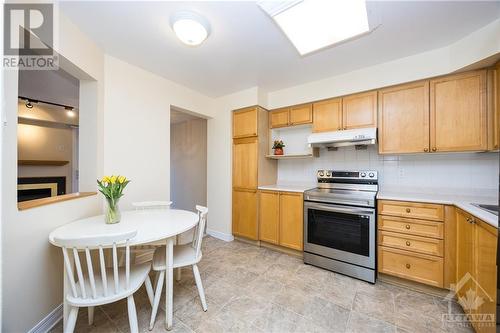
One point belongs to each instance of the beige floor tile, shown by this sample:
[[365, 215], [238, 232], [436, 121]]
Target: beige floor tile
[[278, 319], [378, 304], [264, 288], [327, 314], [245, 308], [192, 315], [360, 323], [224, 322]]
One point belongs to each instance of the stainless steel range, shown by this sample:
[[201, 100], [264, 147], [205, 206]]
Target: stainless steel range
[[340, 223]]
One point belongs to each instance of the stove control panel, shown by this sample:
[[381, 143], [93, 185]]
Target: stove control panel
[[347, 175]]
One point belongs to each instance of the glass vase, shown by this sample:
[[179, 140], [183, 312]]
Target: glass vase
[[112, 214]]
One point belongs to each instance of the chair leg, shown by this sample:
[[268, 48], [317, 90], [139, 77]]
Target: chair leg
[[132, 315], [156, 302], [197, 278], [73, 315], [149, 290], [178, 274], [91, 315]]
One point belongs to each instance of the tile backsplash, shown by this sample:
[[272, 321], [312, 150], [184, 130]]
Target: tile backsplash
[[453, 170]]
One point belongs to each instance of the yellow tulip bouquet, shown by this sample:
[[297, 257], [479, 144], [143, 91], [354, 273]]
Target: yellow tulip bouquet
[[112, 189]]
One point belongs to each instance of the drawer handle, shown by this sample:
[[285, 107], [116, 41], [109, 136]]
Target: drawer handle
[[408, 266], [408, 243], [408, 210], [408, 226]]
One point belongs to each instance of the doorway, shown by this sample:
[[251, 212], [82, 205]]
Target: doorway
[[188, 159]]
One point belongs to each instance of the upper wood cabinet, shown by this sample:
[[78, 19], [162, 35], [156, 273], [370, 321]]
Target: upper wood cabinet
[[327, 115], [245, 213], [458, 112], [290, 116], [359, 110], [245, 160], [354, 111], [245, 122], [269, 216], [403, 125], [494, 108], [279, 118]]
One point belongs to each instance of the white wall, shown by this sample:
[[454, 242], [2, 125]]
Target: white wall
[[449, 171], [32, 269], [137, 127]]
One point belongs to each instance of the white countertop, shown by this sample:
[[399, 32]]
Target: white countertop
[[447, 197], [288, 187]]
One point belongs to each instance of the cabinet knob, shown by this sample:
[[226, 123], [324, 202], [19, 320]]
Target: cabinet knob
[[338, 129], [408, 266], [408, 226], [408, 243], [408, 210], [426, 149], [434, 148], [345, 128]]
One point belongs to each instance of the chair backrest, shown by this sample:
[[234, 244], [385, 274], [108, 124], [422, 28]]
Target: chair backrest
[[142, 205], [91, 244], [199, 229]]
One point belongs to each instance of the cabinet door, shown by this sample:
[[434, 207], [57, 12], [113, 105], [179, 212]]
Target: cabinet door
[[245, 122], [291, 220], [269, 216], [245, 213], [403, 125], [485, 242], [301, 114], [279, 118], [494, 108], [458, 112], [465, 251], [245, 158], [359, 110], [327, 115]]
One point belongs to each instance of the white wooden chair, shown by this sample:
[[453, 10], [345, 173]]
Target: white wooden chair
[[107, 285], [184, 255]]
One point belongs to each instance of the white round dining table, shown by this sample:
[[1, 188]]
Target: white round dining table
[[151, 226]]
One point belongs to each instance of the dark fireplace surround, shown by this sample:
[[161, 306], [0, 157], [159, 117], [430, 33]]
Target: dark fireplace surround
[[39, 192]]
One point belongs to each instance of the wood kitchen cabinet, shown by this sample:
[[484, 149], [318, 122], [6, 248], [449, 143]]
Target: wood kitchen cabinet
[[269, 216], [291, 220], [327, 115], [476, 265], [281, 218], [494, 108], [403, 125], [359, 110], [245, 213], [458, 112], [245, 161], [291, 116], [245, 122], [250, 168]]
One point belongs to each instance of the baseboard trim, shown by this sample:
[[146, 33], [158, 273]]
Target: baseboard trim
[[220, 235], [49, 321]]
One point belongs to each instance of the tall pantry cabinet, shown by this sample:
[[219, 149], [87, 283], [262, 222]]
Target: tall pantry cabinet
[[250, 168]]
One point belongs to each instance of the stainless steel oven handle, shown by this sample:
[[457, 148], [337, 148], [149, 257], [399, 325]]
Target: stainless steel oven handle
[[334, 208]]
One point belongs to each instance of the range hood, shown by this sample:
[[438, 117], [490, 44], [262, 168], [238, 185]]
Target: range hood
[[353, 137]]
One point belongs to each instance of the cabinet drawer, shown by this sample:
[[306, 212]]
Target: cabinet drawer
[[418, 244], [411, 226], [412, 266], [416, 210]]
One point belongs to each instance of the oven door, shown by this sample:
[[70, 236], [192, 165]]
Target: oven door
[[340, 232]]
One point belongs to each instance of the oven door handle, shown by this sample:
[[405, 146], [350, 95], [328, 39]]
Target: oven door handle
[[348, 210]]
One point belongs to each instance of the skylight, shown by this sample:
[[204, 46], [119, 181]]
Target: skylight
[[312, 25]]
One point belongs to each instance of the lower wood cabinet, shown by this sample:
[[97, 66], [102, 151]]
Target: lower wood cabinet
[[476, 269], [281, 218], [245, 213]]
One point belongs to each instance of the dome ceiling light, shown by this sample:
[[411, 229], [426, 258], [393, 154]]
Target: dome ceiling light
[[191, 28]]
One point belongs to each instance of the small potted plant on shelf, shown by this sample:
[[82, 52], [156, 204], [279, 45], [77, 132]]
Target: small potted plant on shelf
[[278, 147], [112, 189]]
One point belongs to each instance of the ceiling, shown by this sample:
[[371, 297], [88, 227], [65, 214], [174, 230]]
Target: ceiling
[[246, 49]]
